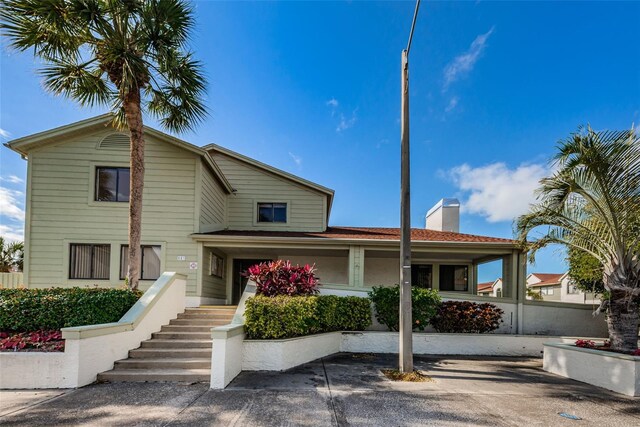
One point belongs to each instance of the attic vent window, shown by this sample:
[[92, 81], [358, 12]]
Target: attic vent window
[[115, 141]]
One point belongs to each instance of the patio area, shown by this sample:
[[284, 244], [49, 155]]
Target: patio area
[[344, 389]]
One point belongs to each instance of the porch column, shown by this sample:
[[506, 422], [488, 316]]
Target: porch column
[[356, 266]]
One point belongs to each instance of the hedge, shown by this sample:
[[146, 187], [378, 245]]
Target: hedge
[[293, 316], [25, 310], [386, 301]]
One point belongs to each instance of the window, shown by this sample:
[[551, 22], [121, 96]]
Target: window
[[150, 262], [454, 278], [216, 267], [89, 261], [112, 184], [546, 290], [572, 288], [272, 212], [421, 276]]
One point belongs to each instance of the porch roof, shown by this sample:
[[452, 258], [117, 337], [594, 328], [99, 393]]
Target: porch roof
[[364, 233]]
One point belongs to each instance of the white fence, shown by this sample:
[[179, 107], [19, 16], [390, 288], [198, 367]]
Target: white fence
[[11, 280]]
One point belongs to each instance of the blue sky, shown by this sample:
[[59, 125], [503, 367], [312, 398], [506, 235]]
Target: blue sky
[[313, 88]]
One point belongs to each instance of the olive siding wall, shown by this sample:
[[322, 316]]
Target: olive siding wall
[[213, 202], [213, 286], [306, 209], [62, 209]]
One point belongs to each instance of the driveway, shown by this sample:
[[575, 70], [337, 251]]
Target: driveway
[[343, 390]]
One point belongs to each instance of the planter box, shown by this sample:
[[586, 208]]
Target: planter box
[[616, 372], [279, 355]]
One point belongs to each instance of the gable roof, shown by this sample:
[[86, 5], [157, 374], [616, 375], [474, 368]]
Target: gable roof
[[547, 279], [25, 144], [485, 286], [275, 171], [366, 233]]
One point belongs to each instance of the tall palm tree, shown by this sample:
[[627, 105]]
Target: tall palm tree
[[592, 204], [11, 255], [129, 55]]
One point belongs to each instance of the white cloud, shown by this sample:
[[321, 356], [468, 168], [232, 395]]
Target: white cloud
[[4, 133], [346, 123], [12, 179], [453, 103], [10, 202], [496, 192], [333, 103], [296, 159], [464, 63], [11, 234]]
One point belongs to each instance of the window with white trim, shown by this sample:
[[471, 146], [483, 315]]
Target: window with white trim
[[149, 262], [89, 261], [112, 184], [272, 212]]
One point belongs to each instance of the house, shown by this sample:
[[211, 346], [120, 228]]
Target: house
[[559, 287], [491, 289], [209, 213]]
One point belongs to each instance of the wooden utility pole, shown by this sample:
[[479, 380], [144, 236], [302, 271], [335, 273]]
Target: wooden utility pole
[[406, 322]]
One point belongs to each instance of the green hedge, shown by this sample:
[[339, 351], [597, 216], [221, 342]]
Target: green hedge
[[24, 310], [386, 301], [287, 317]]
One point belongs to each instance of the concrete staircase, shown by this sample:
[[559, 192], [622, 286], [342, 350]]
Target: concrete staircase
[[181, 351]]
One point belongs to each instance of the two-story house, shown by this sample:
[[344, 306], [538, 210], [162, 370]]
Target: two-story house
[[209, 213]]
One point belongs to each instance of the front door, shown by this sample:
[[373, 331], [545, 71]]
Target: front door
[[239, 281]]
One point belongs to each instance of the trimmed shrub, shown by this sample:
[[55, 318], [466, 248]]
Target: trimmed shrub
[[287, 317], [279, 277], [26, 310], [386, 301], [467, 317]]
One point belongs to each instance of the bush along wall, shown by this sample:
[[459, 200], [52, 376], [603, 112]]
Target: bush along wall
[[26, 310], [386, 301], [467, 317], [284, 316]]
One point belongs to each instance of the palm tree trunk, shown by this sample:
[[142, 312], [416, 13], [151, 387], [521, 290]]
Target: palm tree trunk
[[622, 320], [133, 114]]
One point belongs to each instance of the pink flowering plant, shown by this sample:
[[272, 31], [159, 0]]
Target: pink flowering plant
[[280, 277], [585, 343]]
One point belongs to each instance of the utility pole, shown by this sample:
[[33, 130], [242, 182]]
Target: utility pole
[[406, 322]]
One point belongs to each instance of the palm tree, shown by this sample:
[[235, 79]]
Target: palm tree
[[11, 255], [128, 55], [591, 203]]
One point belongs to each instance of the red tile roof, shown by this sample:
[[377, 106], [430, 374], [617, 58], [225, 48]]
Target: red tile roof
[[485, 286], [547, 279], [357, 233]]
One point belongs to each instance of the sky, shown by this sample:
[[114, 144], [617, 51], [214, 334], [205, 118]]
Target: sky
[[313, 88]]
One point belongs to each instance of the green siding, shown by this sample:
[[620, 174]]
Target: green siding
[[253, 185], [62, 209], [212, 286], [213, 202]]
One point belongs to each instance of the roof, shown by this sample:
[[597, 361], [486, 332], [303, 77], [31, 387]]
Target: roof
[[486, 286], [547, 279], [275, 171], [25, 144], [367, 233]]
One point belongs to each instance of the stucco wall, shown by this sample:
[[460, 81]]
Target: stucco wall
[[330, 269], [381, 271], [562, 319]]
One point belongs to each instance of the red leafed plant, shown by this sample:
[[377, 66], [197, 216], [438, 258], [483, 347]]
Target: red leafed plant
[[42, 340], [585, 343], [281, 278], [637, 352]]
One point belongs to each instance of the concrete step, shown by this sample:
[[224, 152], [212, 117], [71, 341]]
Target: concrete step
[[171, 343], [156, 375], [198, 322], [181, 335], [199, 315], [186, 328], [169, 363], [165, 353], [214, 309]]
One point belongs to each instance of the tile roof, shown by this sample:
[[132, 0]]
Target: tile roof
[[547, 279], [485, 286], [357, 233]]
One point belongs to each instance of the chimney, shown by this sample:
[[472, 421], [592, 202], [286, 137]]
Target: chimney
[[444, 216]]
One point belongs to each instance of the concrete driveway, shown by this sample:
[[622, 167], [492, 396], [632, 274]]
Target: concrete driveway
[[343, 390]]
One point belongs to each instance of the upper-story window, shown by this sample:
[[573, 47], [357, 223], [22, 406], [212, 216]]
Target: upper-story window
[[112, 184], [272, 212]]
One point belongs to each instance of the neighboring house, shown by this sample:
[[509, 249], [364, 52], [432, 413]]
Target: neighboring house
[[491, 289], [210, 213], [558, 287]]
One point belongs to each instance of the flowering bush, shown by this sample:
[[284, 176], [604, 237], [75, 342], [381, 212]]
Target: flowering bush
[[585, 343], [281, 278], [467, 317], [42, 340], [386, 300]]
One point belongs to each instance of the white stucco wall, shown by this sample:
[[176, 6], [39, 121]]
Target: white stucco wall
[[226, 355], [37, 370], [562, 319], [381, 271], [617, 372]]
